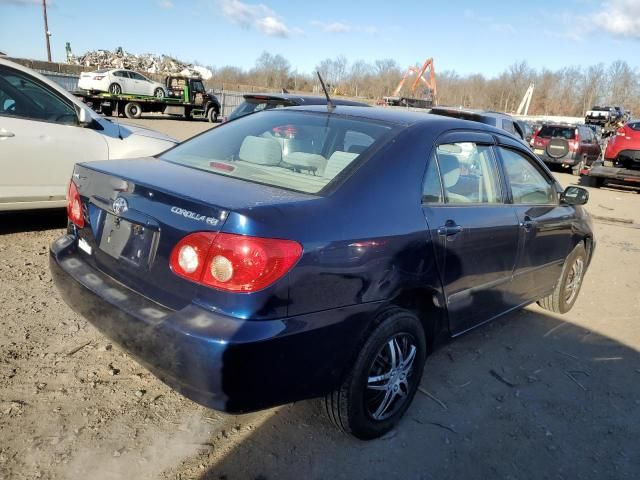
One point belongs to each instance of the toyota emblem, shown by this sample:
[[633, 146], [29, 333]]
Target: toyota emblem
[[120, 206]]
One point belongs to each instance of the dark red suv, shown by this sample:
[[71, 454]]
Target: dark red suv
[[572, 146]]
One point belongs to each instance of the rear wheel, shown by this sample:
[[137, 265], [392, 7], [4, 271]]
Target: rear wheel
[[158, 93], [115, 89], [566, 291], [133, 110], [384, 378]]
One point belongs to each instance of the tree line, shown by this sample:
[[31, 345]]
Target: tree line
[[568, 91]]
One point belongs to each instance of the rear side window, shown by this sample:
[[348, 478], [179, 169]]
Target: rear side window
[[468, 174], [548, 131], [508, 126], [528, 185], [294, 150]]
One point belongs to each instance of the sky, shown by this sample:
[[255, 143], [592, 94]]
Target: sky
[[462, 35]]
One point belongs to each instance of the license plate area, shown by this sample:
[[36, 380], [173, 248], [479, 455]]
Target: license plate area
[[129, 242]]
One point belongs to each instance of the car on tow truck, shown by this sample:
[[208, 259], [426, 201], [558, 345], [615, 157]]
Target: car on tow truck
[[118, 81], [621, 158], [311, 251]]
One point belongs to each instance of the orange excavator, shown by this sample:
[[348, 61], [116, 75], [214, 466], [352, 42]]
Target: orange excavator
[[429, 90]]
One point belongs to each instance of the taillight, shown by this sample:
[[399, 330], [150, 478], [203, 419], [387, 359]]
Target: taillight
[[231, 262], [98, 77], [74, 206], [573, 144]]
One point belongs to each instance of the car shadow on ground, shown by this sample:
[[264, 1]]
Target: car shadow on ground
[[527, 396], [32, 220]]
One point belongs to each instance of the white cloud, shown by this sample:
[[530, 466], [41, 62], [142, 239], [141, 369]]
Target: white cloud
[[166, 4], [619, 17], [343, 27], [272, 26], [258, 16]]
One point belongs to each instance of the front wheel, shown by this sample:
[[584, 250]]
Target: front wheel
[[158, 93], [212, 115], [384, 378], [566, 291]]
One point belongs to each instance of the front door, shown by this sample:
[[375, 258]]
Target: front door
[[475, 233], [40, 140], [545, 233]]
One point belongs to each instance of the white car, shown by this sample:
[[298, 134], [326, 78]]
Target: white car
[[121, 81], [44, 131]]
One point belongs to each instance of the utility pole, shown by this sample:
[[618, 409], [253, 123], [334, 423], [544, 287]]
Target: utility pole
[[47, 34]]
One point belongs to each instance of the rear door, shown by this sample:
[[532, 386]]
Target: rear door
[[127, 85], [474, 231], [545, 224]]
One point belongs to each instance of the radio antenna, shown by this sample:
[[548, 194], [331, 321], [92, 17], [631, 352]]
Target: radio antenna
[[330, 106]]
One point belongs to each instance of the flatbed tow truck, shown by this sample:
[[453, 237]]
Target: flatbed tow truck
[[187, 98]]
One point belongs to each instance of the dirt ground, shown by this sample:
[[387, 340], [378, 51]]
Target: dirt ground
[[533, 395]]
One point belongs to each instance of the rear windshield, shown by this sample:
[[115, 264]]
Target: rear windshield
[[252, 105], [298, 151], [548, 131], [634, 125]]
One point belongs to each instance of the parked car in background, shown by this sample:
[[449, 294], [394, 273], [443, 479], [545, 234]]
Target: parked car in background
[[297, 253], [44, 131], [121, 81], [495, 119], [526, 129], [571, 146], [621, 157], [256, 102]]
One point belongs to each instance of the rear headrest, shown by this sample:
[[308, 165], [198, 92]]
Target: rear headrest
[[263, 151], [449, 169], [337, 162], [306, 161]]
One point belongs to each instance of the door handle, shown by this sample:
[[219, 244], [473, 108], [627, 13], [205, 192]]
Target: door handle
[[449, 229], [527, 223], [5, 134]]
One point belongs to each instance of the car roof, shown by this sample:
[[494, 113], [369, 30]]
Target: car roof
[[303, 99]]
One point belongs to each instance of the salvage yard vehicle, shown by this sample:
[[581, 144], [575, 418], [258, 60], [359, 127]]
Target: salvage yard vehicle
[[309, 251], [44, 131], [255, 102], [495, 119], [185, 96], [119, 81], [621, 158], [571, 146]]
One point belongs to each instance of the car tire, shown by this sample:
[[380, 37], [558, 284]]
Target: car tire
[[115, 89], [158, 93], [366, 406], [133, 110], [568, 287], [212, 115]]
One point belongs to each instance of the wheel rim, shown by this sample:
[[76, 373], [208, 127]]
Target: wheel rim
[[574, 279], [390, 377], [159, 93], [115, 89]]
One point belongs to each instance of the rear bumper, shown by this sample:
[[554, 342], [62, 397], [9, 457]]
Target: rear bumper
[[221, 362], [570, 159]]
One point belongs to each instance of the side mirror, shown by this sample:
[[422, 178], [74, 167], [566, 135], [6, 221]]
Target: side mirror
[[574, 196], [84, 119]]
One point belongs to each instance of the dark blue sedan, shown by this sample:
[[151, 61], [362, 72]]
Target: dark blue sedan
[[299, 253]]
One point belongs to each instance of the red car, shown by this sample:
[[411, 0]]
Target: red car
[[572, 146], [621, 158]]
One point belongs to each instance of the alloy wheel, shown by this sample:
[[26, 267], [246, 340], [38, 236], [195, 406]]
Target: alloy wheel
[[574, 279], [390, 377]]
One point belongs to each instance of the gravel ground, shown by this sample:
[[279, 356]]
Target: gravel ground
[[533, 395]]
